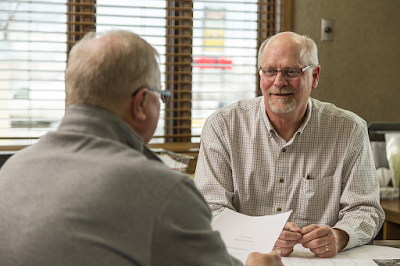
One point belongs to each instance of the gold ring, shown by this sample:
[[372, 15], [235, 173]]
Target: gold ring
[[326, 248], [278, 249]]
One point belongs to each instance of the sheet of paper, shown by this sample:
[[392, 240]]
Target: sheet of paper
[[367, 255], [244, 234]]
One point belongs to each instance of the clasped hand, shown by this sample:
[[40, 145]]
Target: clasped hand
[[323, 241]]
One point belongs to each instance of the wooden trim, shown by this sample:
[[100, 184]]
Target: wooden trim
[[288, 15], [85, 4], [266, 19], [178, 77], [177, 146], [81, 20], [177, 136], [391, 227], [79, 23], [13, 138], [12, 147], [79, 13]]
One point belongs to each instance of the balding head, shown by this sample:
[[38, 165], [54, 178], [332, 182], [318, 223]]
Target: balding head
[[105, 69], [301, 44]]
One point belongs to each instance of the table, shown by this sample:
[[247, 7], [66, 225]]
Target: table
[[382, 252], [391, 226]]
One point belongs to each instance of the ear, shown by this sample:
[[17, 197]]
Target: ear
[[315, 76], [138, 105]]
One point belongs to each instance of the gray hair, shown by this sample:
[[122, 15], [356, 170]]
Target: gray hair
[[104, 69], [308, 54]]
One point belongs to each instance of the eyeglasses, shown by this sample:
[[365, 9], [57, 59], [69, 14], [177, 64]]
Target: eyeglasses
[[287, 73], [165, 96]]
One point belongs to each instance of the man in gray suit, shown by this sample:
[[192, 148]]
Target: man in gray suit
[[92, 193]]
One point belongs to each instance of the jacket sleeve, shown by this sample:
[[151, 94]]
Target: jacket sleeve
[[183, 234]]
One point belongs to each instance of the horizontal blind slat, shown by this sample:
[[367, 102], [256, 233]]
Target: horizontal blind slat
[[33, 46]]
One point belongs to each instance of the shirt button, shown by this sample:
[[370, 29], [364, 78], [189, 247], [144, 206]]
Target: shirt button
[[284, 149], [281, 180], [279, 209]]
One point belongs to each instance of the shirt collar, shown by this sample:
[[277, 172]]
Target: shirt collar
[[270, 128], [308, 115]]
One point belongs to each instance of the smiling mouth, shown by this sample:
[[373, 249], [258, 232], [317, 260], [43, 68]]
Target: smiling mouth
[[282, 94]]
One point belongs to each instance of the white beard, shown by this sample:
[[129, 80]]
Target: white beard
[[282, 106]]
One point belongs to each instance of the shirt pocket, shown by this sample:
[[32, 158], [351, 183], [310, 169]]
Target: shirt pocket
[[314, 199]]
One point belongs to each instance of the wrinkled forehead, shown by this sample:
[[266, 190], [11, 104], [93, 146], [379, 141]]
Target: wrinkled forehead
[[282, 51]]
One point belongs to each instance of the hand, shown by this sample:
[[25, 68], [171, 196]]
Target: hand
[[271, 259], [323, 241], [288, 239]]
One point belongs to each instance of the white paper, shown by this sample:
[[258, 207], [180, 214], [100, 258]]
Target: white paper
[[368, 255], [243, 234]]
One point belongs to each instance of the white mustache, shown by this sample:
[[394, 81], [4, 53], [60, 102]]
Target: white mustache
[[281, 91]]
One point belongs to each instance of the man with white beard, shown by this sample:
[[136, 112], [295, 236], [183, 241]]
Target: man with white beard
[[286, 151]]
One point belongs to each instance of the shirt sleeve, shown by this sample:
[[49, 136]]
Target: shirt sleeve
[[182, 231], [361, 215], [213, 176]]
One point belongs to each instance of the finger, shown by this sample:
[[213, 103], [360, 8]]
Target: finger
[[320, 250], [325, 251], [309, 228], [278, 249], [320, 232], [286, 243], [285, 247], [274, 258], [289, 235], [271, 258], [324, 247], [292, 227], [284, 252]]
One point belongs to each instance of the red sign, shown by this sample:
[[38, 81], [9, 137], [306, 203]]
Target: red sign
[[212, 62]]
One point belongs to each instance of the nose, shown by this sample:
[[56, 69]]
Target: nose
[[280, 80]]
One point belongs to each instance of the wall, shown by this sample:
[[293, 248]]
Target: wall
[[360, 68]]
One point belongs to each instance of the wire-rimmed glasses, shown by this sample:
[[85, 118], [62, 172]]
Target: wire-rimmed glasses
[[165, 96], [287, 73]]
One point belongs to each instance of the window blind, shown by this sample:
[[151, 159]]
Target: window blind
[[208, 56], [146, 18], [220, 39], [32, 64], [224, 56]]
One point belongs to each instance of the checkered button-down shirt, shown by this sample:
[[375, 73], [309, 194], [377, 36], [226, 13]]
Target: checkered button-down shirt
[[325, 173]]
